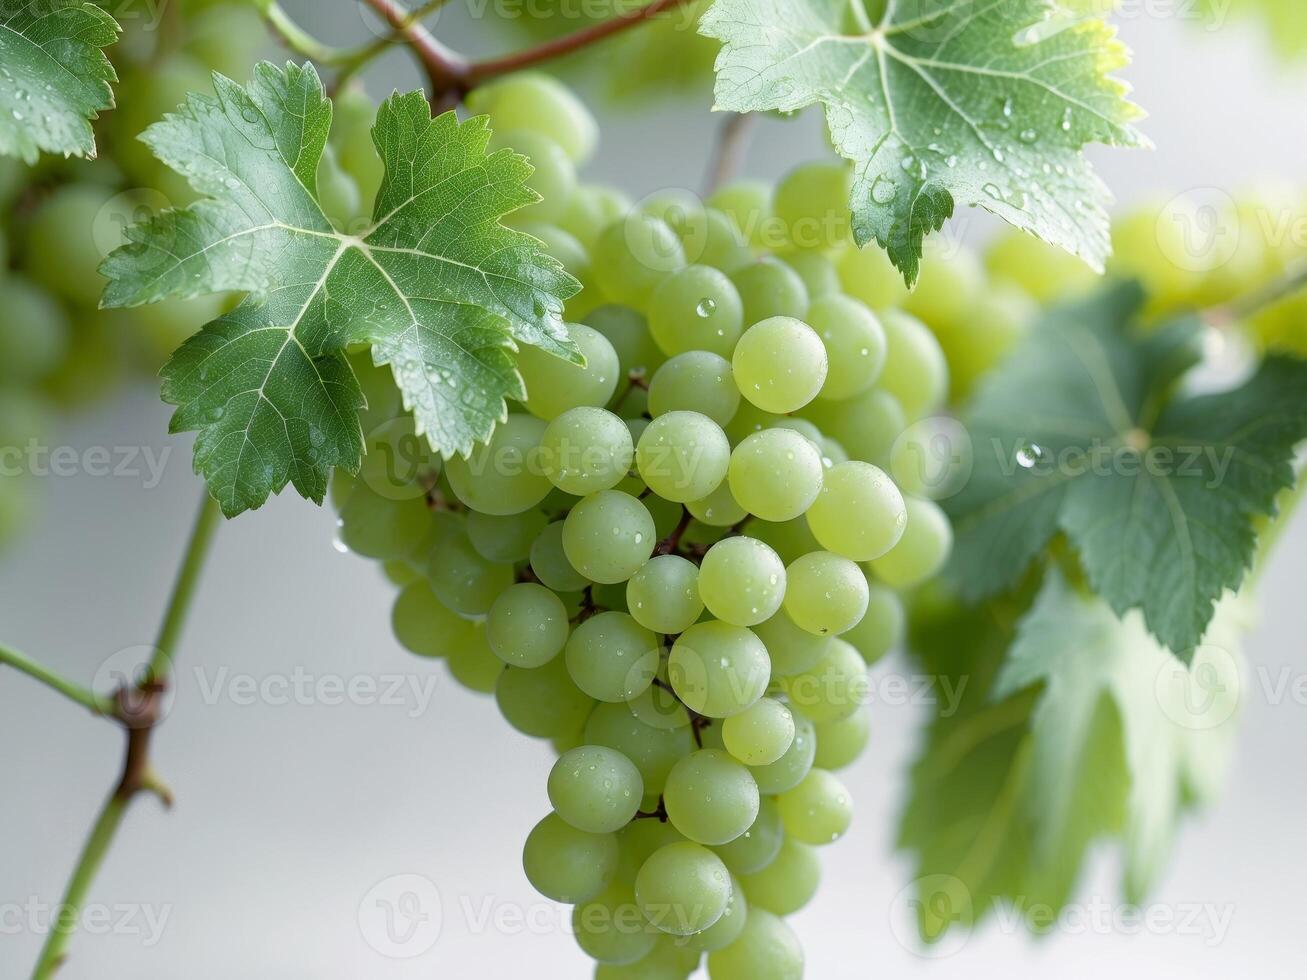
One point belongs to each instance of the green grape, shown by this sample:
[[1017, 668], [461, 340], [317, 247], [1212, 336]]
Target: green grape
[[748, 420], [35, 335], [840, 743], [768, 288], [932, 458], [471, 662], [820, 277], [1045, 273], [338, 195], [760, 734], [526, 625], [780, 364], [595, 789], [542, 702], [586, 450], [790, 539], [377, 527], [696, 309], [666, 962], [505, 537], [868, 275], [566, 864], [758, 846], [865, 425], [658, 706], [683, 456], [833, 688], [633, 255], [855, 343], [827, 594], [608, 536], [726, 929], [788, 771], [628, 332], [748, 203], [916, 372], [683, 888], [612, 657], [637, 842], [377, 383], [502, 476], [802, 426], [401, 573], [776, 474], [714, 240], [766, 950], [398, 463], [950, 280], [818, 810], [711, 798], [423, 624], [995, 322], [718, 669], [549, 562], [696, 381], [832, 453], [227, 37], [719, 508], [812, 205], [611, 929], [353, 113], [789, 882], [553, 174], [554, 385], [859, 513], [590, 210], [922, 551], [792, 650], [62, 252], [540, 103], [742, 581], [460, 577], [142, 98], [881, 629], [663, 595], [654, 749], [576, 262]]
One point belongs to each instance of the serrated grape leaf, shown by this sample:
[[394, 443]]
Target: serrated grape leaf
[[54, 77], [1073, 727], [942, 102], [1082, 431], [436, 286]]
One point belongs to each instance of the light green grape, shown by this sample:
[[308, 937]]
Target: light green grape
[[868, 275], [710, 797], [401, 572], [767, 949], [639, 839], [595, 789], [726, 929], [748, 420], [377, 527], [35, 335], [780, 364], [471, 661], [832, 453], [922, 551], [769, 288], [227, 37], [916, 371], [62, 252], [841, 743], [526, 625], [353, 113], [758, 846], [742, 581], [776, 474], [542, 702], [788, 771], [585, 450], [608, 536], [628, 332], [633, 255], [790, 539], [338, 195], [398, 463], [820, 277], [827, 594], [460, 577], [652, 748], [998, 319], [540, 103], [748, 203], [1045, 273], [659, 706], [611, 929], [550, 564], [667, 961], [718, 669], [865, 425], [818, 810], [789, 882], [760, 734], [833, 688], [377, 383], [566, 864], [576, 262], [792, 650], [712, 239], [696, 381], [663, 595], [553, 174], [683, 888], [855, 343], [590, 210], [505, 537], [719, 508], [612, 657], [423, 624], [502, 476], [554, 385], [881, 629], [812, 205], [683, 456], [950, 278], [696, 309]]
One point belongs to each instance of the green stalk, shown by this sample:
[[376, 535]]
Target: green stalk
[[81, 695]]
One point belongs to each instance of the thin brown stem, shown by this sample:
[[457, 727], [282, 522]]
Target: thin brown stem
[[731, 148], [669, 544]]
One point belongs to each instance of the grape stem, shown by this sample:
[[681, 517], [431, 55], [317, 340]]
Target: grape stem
[[670, 543], [95, 703], [731, 148], [1242, 308], [698, 722]]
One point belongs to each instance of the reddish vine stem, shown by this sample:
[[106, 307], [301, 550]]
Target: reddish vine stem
[[670, 543]]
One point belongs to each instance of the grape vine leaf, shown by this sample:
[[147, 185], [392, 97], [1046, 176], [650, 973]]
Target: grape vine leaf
[[942, 101], [1084, 430], [436, 286], [54, 76]]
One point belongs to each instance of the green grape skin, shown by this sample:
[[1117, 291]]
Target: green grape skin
[[527, 625], [818, 810], [423, 624], [833, 688], [742, 581], [665, 962], [227, 37], [760, 734], [865, 425], [398, 463], [769, 288], [710, 798], [792, 650], [591, 209], [748, 203], [758, 846], [637, 842], [748, 420], [803, 427], [812, 205], [789, 882], [576, 262], [35, 335], [696, 381], [377, 382], [566, 864], [1047, 274], [776, 474], [841, 743], [727, 928], [505, 538], [767, 949], [998, 319], [377, 527], [611, 657], [683, 888], [950, 279], [585, 450], [789, 539], [916, 371], [470, 661], [718, 509], [554, 385], [540, 103], [867, 275], [663, 596], [780, 364], [595, 789], [855, 344], [882, 628], [832, 453], [63, 254], [400, 572], [718, 669], [633, 255], [461, 578], [788, 771], [683, 456], [549, 562], [820, 277], [653, 749], [658, 705], [628, 332], [143, 97], [608, 536], [827, 594], [353, 113], [502, 476], [338, 195], [922, 551], [542, 702], [696, 308], [553, 174], [610, 927], [714, 240]]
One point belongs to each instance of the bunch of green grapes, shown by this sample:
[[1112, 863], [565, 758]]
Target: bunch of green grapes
[[676, 562]]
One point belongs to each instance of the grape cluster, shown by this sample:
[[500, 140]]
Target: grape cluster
[[676, 561]]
